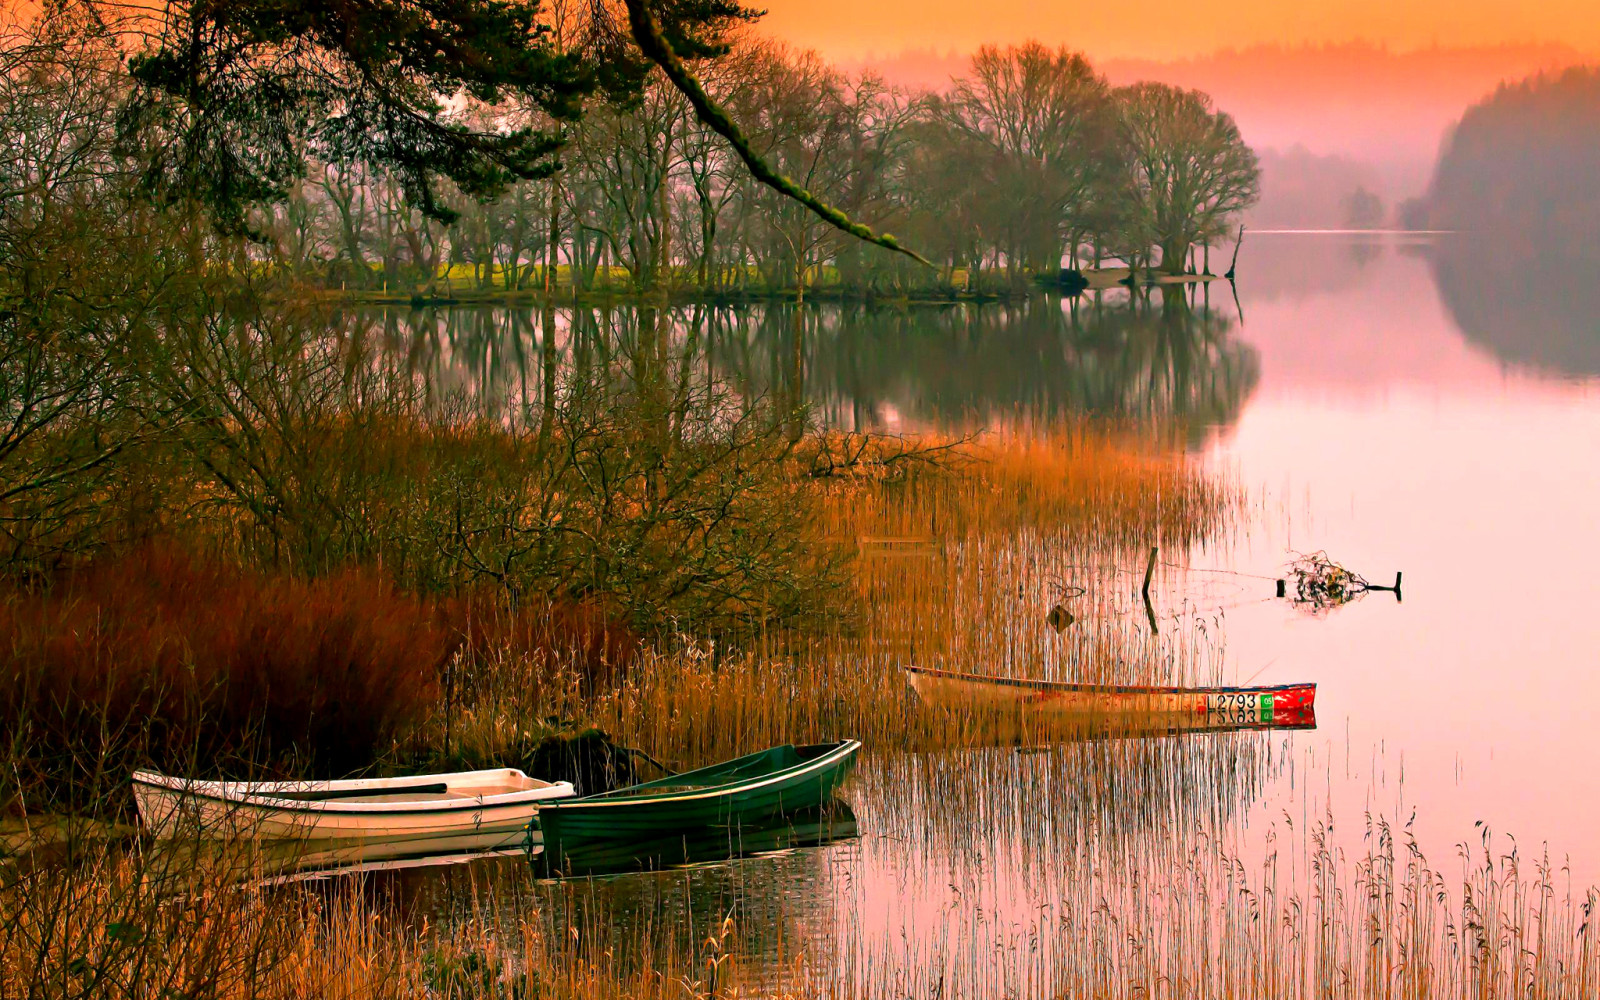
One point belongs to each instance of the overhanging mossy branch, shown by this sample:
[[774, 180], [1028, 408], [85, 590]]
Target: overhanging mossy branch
[[647, 33]]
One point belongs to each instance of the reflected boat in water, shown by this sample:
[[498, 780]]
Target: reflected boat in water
[[274, 862], [825, 824], [1117, 710]]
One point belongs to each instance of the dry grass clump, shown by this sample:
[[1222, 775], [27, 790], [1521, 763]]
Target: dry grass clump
[[1099, 487], [142, 926], [163, 658], [145, 924], [197, 666]]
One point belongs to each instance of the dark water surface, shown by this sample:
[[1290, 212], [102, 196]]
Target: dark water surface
[[1378, 404]]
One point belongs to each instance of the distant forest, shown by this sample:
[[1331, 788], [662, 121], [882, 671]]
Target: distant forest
[[1526, 162], [1519, 180], [1363, 116]]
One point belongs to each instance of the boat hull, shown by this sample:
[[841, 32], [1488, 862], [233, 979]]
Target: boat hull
[[1112, 706], [579, 826], [475, 805]]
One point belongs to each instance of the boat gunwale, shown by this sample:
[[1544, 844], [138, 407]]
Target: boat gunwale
[[844, 750], [267, 802], [1078, 688]]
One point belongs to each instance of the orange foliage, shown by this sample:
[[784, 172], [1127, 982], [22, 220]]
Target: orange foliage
[[192, 665]]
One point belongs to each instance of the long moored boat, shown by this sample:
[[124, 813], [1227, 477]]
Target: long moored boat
[[1176, 708], [492, 808], [746, 792]]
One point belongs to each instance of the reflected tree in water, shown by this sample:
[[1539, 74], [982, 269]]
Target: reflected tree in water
[[1166, 357], [1165, 362], [1528, 303], [1519, 180]]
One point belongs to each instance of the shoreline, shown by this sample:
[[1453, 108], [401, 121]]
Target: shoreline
[[1096, 280]]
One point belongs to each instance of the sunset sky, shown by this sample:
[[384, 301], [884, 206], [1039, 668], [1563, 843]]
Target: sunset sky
[[1166, 29]]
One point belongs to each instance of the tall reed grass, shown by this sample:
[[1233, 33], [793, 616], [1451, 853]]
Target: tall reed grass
[[1094, 869], [1094, 911], [953, 561]]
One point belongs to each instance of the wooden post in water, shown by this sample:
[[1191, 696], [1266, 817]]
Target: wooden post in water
[[449, 702], [1149, 571]]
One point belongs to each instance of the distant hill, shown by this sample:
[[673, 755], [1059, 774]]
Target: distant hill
[[1520, 178], [1526, 160], [1366, 104], [1302, 190]]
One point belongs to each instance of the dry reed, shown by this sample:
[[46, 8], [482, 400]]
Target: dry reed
[[1090, 869], [954, 563]]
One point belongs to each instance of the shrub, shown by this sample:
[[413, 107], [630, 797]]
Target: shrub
[[191, 665]]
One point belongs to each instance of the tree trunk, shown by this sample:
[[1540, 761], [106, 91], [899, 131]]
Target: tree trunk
[[1173, 253], [553, 246]]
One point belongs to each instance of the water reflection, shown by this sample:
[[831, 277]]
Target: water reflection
[[825, 824], [956, 853], [1530, 301], [1402, 446], [1166, 356]]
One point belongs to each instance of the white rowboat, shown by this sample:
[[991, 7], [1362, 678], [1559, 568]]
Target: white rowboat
[[492, 808]]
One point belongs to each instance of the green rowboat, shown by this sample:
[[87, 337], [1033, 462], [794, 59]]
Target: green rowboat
[[746, 792]]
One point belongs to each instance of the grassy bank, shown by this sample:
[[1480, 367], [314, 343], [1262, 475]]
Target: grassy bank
[[461, 285]]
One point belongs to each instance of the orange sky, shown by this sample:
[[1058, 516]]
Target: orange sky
[[1164, 29]]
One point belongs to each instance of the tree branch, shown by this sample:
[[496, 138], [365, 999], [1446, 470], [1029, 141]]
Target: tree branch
[[647, 33]]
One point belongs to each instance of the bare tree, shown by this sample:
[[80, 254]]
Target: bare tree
[[84, 275], [1036, 119], [1190, 169]]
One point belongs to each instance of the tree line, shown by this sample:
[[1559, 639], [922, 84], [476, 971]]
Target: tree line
[[1525, 161], [589, 167], [1029, 163]]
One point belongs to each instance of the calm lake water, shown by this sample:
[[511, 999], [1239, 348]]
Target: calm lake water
[[1406, 419], [1378, 404]]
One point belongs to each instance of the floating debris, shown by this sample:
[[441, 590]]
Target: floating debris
[[1322, 584]]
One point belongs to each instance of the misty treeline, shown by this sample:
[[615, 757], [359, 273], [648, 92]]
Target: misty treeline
[[1525, 161], [1029, 163]]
